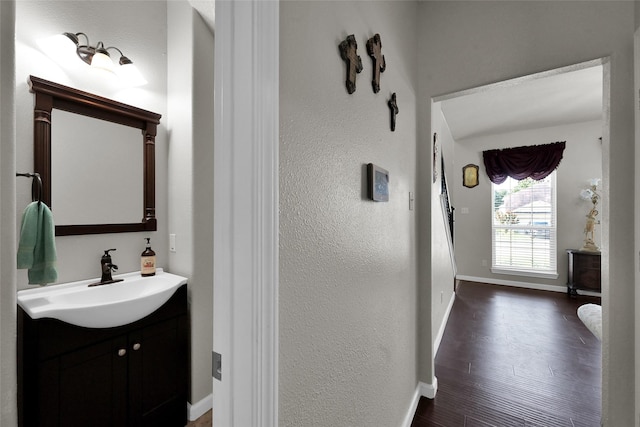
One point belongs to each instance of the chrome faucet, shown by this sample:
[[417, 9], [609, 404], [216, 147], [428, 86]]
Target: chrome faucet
[[107, 267]]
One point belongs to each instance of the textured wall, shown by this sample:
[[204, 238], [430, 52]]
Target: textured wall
[[347, 265], [469, 44]]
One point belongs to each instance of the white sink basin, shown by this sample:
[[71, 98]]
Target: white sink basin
[[102, 306]]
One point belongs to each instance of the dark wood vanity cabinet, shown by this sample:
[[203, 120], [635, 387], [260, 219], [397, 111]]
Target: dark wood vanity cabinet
[[584, 271], [133, 375]]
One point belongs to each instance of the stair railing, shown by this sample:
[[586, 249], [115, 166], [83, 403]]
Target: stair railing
[[446, 200]]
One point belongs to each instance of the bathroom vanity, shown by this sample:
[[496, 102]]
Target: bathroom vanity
[[130, 375]]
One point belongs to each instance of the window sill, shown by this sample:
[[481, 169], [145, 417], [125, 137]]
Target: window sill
[[539, 274]]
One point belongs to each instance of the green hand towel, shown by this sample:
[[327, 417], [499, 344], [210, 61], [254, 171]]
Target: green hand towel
[[37, 246]]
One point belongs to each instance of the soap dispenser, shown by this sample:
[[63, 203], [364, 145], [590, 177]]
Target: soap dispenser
[[148, 260]]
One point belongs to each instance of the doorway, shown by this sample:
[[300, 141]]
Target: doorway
[[569, 103]]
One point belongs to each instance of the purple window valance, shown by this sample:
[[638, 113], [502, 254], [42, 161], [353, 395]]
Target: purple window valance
[[535, 161]]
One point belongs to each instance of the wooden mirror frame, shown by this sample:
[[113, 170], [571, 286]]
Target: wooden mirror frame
[[49, 95]]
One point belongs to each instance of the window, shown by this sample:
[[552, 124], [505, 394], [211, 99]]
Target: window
[[524, 227]]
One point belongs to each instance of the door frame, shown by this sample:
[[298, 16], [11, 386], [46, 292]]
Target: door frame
[[636, 116], [246, 180], [8, 271], [605, 63]]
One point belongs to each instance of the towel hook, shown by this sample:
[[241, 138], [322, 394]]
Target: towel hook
[[36, 185]]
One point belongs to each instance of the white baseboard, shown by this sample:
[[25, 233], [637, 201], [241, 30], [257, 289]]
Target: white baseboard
[[428, 390], [198, 409], [527, 285], [436, 342], [422, 389]]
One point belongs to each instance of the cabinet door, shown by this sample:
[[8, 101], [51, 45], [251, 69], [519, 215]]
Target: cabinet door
[[158, 374], [92, 386], [587, 272]]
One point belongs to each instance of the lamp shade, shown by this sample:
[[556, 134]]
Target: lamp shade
[[129, 73], [102, 60], [60, 47]]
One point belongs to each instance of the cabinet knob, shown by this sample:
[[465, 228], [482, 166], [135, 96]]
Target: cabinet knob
[[122, 352], [137, 346]]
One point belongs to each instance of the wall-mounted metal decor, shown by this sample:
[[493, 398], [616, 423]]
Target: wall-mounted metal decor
[[349, 53], [470, 175], [374, 49], [393, 107]]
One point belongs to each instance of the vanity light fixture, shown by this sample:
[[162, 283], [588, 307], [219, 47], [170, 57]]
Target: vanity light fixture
[[96, 56]]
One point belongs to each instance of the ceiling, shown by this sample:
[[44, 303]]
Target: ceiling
[[528, 103]]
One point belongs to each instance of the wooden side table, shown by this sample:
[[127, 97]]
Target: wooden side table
[[584, 271]]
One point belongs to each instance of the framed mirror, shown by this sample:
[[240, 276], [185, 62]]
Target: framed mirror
[[96, 160]]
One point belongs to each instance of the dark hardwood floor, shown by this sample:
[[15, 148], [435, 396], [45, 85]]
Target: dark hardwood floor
[[515, 357]]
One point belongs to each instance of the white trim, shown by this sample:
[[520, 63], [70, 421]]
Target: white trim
[[411, 413], [524, 273], [443, 325], [8, 271], [199, 408], [422, 389], [526, 285], [636, 114], [428, 390], [245, 255]]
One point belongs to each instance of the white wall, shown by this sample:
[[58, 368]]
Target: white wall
[[144, 42], [470, 44], [442, 276], [190, 177], [202, 290], [581, 161], [347, 264]]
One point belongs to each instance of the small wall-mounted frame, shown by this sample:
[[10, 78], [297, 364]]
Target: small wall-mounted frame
[[470, 175], [377, 183]]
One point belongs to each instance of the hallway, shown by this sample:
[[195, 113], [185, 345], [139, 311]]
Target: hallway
[[515, 357]]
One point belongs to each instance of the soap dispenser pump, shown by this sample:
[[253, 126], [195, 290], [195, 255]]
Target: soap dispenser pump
[[148, 260]]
